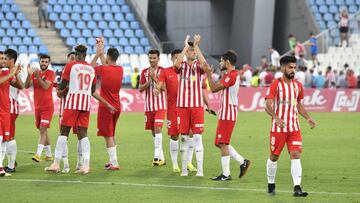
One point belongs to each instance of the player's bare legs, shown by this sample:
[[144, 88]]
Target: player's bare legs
[[111, 149]]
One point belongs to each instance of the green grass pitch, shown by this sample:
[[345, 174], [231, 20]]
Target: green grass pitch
[[330, 161]]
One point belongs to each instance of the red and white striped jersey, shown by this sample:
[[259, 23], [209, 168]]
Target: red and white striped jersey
[[153, 103], [286, 96], [81, 77], [229, 96], [190, 85], [13, 97]]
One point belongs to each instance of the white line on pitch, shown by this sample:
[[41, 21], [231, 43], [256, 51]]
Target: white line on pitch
[[167, 186]]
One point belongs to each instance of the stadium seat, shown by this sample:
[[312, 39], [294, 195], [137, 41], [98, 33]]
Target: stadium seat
[[86, 33], [130, 17], [139, 50], [59, 25], [57, 9], [75, 33], [80, 24], [2, 33], [75, 16], [129, 49], [123, 41], [340, 2], [139, 33], [17, 41], [97, 17], [33, 49], [11, 32], [323, 9], [108, 16], [86, 17], [86, 9], [144, 41], [353, 9], [333, 9], [124, 25], [67, 9], [119, 17], [113, 25], [113, 41], [15, 24], [23, 49], [10, 16], [118, 33], [106, 9], [5, 24], [115, 9], [134, 25], [43, 50], [77, 9], [91, 41], [64, 33], [120, 49], [26, 24], [70, 25], [350, 2], [53, 17], [111, 2], [314, 9], [80, 40], [320, 2], [70, 41], [129, 33], [91, 25], [102, 24], [64, 17], [318, 16], [108, 33], [328, 17], [330, 2], [134, 41], [97, 33], [72, 2], [31, 33], [37, 41], [20, 16], [96, 9], [120, 2], [125, 9], [2, 48]]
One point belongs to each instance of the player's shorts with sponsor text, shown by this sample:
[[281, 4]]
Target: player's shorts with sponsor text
[[154, 119], [293, 141], [224, 131], [43, 117], [77, 118], [191, 118]]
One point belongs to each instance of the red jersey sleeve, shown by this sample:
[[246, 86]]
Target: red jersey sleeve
[[98, 70], [272, 91], [66, 74], [142, 78], [162, 76], [301, 92], [228, 80]]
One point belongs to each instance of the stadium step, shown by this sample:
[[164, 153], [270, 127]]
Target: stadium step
[[49, 36]]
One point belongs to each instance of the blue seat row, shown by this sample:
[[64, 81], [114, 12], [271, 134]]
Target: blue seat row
[[95, 25], [88, 8], [32, 49], [98, 32]]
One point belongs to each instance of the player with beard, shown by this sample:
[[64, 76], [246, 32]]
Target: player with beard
[[283, 104], [42, 81]]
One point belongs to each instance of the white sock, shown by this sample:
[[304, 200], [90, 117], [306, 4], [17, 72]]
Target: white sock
[[11, 149], [39, 149], [174, 148], [183, 151], [199, 152], [235, 155], [190, 149], [85, 147], [157, 145], [59, 149], [80, 156], [225, 163], [161, 155], [3, 151], [65, 156], [271, 167], [47, 149], [1, 162], [296, 171], [113, 156]]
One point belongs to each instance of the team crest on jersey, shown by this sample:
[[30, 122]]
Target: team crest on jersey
[[219, 136], [193, 78], [227, 79]]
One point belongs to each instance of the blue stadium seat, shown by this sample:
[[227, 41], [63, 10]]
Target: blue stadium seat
[[64, 17], [75, 16], [77, 9], [134, 41], [333, 9], [111, 2], [71, 2], [57, 9], [113, 41], [86, 33], [331, 24], [75, 33], [31, 33], [353, 9], [91, 2], [11, 32], [118, 33], [64, 33], [328, 17], [123, 41], [102, 24], [353, 24], [62, 2], [320, 2], [340, 2], [350, 2], [96, 9], [59, 25], [120, 2], [129, 33], [115, 9], [16, 41], [33, 49], [330, 2], [21, 32], [135, 25], [101, 2], [50, 8], [70, 41], [67, 9], [81, 2], [125, 9], [91, 41], [2, 33], [51, 2], [86, 9], [323, 9], [81, 40], [108, 33], [27, 41], [97, 16], [124, 25], [15, 24], [130, 17], [26, 24], [147, 49], [318, 16], [70, 25], [113, 25], [129, 50], [2, 15], [80, 24], [334, 33], [20, 16], [139, 50], [144, 41], [97, 33], [13, 47], [53, 16], [43, 50], [92, 25], [119, 17], [2, 48], [120, 49], [14, 8], [314, 9], [23, 49], [5, 24], [37, 41], [106, 9], [6, 41], [86, 16], [5, 7], [108, 16], [322, 25], [10, 16]]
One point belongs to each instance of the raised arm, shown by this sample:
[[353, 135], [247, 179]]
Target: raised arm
[[214, 86], [28, 81], [201, 58], [17, 82], [45, 84], [8, 76], [180, 58], [99, 53]]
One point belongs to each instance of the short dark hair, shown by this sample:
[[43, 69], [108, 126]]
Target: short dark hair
[[287, 59], [329, 68], [11, 53], [80, 51], [113, 54], [231, 56], [191, 44], [69, 54], [44, 56], [154, 51], [1, 52], [175, 51]]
